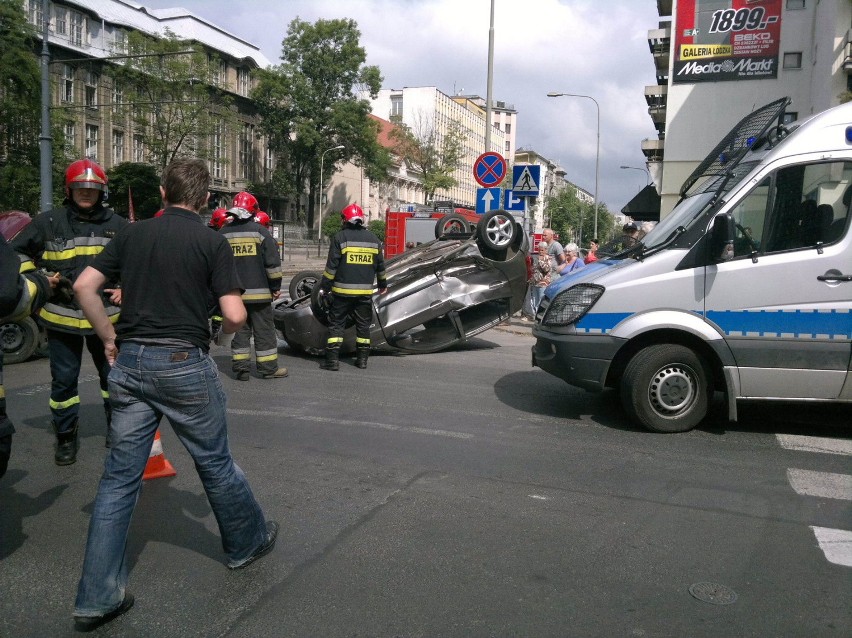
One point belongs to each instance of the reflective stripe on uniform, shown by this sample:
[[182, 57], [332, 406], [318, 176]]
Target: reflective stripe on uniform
[[274, 273], [335, 340], [105, 394], [266, 355], [257, 294], [61, 405], [68, 317], [363, 340], [351, 289]]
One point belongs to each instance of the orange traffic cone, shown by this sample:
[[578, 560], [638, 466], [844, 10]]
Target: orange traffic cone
[[158, 466]]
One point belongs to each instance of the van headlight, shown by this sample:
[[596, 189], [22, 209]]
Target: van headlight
[[571, 304]]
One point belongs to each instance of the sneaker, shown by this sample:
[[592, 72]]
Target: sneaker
[[90, 623], [242, 376], [280, 373], [263, 550]]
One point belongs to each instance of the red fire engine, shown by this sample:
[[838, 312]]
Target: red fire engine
[[410, 228]]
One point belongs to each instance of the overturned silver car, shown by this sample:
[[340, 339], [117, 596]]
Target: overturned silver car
[[439, 294]]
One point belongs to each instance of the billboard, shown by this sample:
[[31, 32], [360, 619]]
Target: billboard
[[724, 40]]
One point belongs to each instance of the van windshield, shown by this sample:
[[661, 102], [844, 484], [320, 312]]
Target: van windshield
[[692, 208]]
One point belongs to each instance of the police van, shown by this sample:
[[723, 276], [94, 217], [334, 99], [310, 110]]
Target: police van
[[745, 288]]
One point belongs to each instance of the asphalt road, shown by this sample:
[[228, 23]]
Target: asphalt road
[[462, 493]]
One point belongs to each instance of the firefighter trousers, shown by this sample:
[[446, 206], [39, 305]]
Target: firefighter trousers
[[360, 308], [260, 325]]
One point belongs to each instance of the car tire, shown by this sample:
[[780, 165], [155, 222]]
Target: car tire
[[303, 283], [666, 388], [452, 224], [497, 230], [18, 340]]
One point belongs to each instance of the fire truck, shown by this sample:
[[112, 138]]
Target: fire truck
[[410, 228]]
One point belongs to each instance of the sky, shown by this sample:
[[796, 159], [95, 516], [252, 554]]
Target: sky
[[597, 48]]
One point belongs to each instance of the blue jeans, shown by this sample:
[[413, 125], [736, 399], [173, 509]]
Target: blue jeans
[[537, 296], [182, 384]]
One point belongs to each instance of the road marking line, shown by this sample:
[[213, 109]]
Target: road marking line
[[539, 497], [836, 544], [815, 444], [366, 424], [824, 484]]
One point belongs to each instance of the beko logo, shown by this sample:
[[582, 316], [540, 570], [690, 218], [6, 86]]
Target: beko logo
[[746, 65]]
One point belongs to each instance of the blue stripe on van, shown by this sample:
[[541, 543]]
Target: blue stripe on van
[[800, 324], [601, 322]]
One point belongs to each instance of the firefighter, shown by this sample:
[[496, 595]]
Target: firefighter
[[66, 240], [355, 262], [264, 220], [218, 219], [20, 295], [259, 268]]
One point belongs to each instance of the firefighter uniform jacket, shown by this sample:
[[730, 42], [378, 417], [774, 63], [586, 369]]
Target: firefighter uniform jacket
[[20, 295], [257, 259], [61, 240], [355, 262]]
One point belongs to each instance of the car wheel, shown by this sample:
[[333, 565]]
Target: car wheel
[[666, 388], [18, 340], [450, 225], [496, 229], [303, 283]]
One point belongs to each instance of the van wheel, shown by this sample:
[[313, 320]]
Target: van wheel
[[666, 388], [18, 340]]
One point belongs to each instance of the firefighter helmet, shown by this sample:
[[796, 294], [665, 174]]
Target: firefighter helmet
[[85, 173], [219, 218], [263, 219], [352, 214], [237, 212], [246, 200]]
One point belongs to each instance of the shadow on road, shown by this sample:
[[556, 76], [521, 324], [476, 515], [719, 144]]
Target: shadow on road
[[17, 506]]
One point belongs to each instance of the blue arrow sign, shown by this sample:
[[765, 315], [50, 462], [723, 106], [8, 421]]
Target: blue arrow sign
[[514, 202], [487, 199], [526, 179]]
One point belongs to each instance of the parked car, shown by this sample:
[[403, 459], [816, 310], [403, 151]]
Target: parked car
[[440, 293]]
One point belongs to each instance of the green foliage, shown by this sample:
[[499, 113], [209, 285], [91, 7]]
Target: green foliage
[[309, 104], [169, 96], [142, 180], [377, 226], [565, 213], [845, 97], [436, 154], [331, 224], [20, 108]]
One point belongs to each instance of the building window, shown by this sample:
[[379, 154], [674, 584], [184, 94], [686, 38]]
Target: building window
[[92, 142], [243, 81], [508, 148], [119, 41], [138, 149], [67, 88], [795, 4], [268, 162], [92, 80], [117, 97], [70, 138], [117, 147], [789, 117], [60, 15], [508, 128], [246, 149], [78, 23], [218, 144], [396, 108], [34, 13], [793, 60]]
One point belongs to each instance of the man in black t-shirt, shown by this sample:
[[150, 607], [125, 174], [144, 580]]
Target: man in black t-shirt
[[161, 367]]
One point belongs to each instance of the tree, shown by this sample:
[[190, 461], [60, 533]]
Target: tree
[[142, 181], [309, 103], [174, 96], [435, 153], [567, 214]]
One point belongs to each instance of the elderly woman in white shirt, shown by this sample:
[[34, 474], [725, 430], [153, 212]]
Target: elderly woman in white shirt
[[572, 260]]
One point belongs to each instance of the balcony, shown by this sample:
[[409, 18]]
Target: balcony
[[847, 52], [656, 96], [653, 149], [664, 7], [659, 42]]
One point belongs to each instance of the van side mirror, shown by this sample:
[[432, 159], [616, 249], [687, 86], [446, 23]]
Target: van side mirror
[[722, 239]]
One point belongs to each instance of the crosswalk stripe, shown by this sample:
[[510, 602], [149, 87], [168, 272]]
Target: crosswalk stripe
[[836, 544], [824, 484], [815, 444]]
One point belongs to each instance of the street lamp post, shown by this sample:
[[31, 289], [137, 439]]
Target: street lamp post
[[636, 168], [597, 154], [319, 208]]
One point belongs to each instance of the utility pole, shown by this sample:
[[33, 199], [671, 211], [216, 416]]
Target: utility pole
[[490, 82], [45, 141]]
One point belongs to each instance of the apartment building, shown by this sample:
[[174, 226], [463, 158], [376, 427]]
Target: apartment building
[[426, 110], [87, 35], [715, 62]]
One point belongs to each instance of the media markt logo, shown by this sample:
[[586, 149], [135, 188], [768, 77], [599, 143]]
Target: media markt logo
[[745, 66]]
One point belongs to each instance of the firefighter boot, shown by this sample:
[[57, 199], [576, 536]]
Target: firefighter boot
[[361, 356], [332, 360], [66, 445]]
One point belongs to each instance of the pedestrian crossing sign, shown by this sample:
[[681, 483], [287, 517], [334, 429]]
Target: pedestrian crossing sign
[[526, 179]]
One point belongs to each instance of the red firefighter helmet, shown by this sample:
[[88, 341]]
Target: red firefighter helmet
[[219, 218], [353, 214], [263, 219], [246, 200], [85, 173]]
